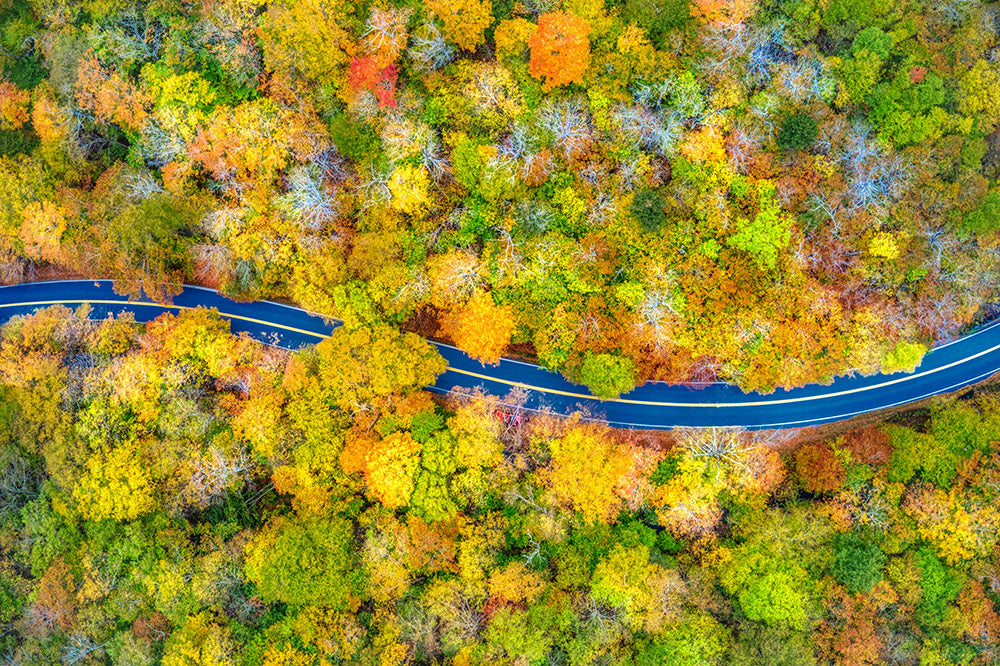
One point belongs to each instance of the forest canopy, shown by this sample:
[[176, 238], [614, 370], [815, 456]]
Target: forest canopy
[[763, 192], [173, 495]]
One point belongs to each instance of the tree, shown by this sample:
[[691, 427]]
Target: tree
[[116, 485], [201, 641], [143, 246], [656, 17], [13, 106], [511, 37], [432, 495], [768, 232], [760, 645], [247, 145], [409, 187], [818, 468], [622, 580], [904, 357], [585, 469], [54, 606], [481, 328], [109, 96], [797, 132], [560, 50], [26, 181], [607, 375], [978, 95], [858, 563], [984, 219], [523, 634], [390, 467], [386, 33], [368, 73], [310, 561], [648, 210], [769, 589], [359, 367], [308, 39], [42, 229], [697, 641], [464, 21]]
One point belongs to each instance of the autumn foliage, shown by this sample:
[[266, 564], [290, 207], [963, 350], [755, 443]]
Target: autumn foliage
[[560, 49], [323, 488], [464, 21], [481, 328], [14, 105]]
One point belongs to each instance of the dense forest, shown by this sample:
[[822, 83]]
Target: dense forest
[[761, 192], [171, 494]]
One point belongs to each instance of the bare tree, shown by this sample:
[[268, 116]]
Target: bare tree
[[429, 49], [569, 123]]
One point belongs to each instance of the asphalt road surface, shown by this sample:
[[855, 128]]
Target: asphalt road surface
[[655, 405]]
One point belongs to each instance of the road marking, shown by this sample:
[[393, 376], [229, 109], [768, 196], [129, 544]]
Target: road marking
[[164, 307], [540, 389], [748, 403]]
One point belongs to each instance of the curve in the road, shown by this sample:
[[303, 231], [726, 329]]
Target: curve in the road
[[654, 405]]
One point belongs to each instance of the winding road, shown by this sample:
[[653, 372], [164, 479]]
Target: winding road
[[654, 405]]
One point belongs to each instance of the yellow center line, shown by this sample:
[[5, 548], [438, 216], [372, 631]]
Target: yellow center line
[[569, 394], [164, 307], [749, 403]]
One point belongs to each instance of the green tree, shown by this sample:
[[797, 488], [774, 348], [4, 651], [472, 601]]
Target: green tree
[[797, 132], [648, 210], [769, 588], [761, 645], [767, 233], [607, 375], [939, 586], [858, 563], [699, 640], [985, 217], [309, 561], [524, 636], [622, 580], [904, 357], [432, 498], [145, 247], [656, 17]]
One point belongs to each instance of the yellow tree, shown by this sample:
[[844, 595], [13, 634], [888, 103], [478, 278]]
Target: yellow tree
[[290, 656], [512, 36], [389, 469], [307, 38], [481, 328], [115, 485], [361, 367], [199, 642], [464, 21], [585, 470], [409, 187]]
